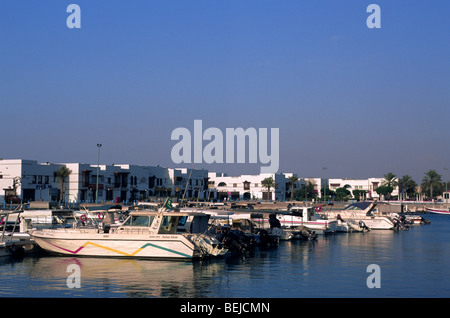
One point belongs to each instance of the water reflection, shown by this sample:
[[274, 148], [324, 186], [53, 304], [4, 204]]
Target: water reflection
[[131, 278]]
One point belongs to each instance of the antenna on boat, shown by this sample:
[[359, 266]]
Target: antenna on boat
[[187, 184]]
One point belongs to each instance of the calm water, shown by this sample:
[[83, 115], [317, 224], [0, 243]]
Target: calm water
[[414, 263]]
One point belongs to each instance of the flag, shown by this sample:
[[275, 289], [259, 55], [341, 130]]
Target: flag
[[168, 204]]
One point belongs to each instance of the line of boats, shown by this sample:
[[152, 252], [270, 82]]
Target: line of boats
[[181, 233]]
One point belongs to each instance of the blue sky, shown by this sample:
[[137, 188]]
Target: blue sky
[[361, 102]]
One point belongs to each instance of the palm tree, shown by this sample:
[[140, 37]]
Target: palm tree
[[62, 173], [431, 179], [408, 185], [292, 180], [389, 180], [268, 183]]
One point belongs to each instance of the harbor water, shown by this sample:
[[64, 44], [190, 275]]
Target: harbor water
[[414, 263]]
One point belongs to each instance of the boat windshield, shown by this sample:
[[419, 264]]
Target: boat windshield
[[169, 225], [138, 220]]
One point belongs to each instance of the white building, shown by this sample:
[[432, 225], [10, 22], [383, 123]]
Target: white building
[[245, 187], [369, 185], [28, 180], [190, 183]]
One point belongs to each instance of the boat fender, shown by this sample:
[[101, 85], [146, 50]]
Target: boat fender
[[318, 209], [100, 215], [1, 220], [83, 218]]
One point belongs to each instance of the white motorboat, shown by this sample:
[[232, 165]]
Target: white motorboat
[[144, 234], [363, 214], [302, 216], [438, 211], [49, 217], [13, 240]]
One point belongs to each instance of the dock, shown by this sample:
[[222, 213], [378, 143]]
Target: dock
[[17, 245]]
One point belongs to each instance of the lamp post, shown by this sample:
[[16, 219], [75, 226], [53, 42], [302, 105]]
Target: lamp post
[[98, 164], [446, 187], [325, 187]]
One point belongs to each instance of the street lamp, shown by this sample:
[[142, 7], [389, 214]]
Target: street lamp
[[325, 187], [446, 195], [98, 164]]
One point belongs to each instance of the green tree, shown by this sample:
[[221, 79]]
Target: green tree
[[390, 180], [357, 194], [407, 185], [62, 173], [342, 193], [330, 193], [292, 180], [306, 191], [268, 183], [384, 190], [432, 181]]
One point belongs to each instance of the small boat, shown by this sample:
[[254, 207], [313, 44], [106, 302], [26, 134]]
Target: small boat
[[438, 211], [365, 214], [49, 217], [144, 234], [300, 216], [14, 241], [417, 219]]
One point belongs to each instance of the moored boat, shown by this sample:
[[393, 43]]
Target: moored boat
[[144, 234], [438, 211], [302, 216], [13, 240], [363, 213]]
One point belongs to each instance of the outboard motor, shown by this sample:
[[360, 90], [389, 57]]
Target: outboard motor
[[237, 242], [424, 221], [399, 223], [363, 225], [273, 221]]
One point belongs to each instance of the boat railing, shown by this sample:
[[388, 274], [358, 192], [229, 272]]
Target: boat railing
[[4, 220], [131, 230]]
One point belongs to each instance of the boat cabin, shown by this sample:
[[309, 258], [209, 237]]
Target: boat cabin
[[307, 213], [168, 222], [368, 208]]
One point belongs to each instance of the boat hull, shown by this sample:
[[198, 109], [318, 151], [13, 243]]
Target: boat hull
[[372, 222], [377, 223], [438, 211], [104, 245], [320, 226]]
